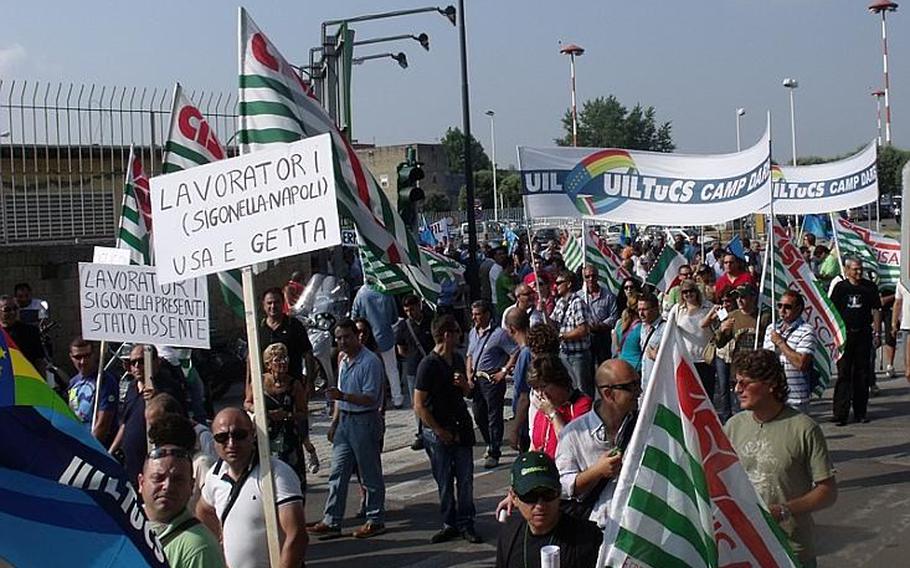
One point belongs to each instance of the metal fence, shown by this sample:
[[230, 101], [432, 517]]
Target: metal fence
[[64, 148]]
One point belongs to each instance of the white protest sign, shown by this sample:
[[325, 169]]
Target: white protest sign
[[249, 209], [128, 303], [111, 255]]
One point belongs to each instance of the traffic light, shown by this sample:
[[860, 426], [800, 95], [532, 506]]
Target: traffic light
[[409, 173]]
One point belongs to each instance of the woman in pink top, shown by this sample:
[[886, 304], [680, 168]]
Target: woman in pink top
[[560, 402]]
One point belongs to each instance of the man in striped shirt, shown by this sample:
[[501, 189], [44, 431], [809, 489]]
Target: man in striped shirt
[[793, 339]]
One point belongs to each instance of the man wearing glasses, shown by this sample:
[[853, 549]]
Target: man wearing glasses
[[525, 300], [535, 492], [602, 305], [673, 296], [81, 392], [589, 453], [793, 339], [859, 303], [166, 485], [571, 316], [27, 337], [231, 502], [733, 277], [782, 450]]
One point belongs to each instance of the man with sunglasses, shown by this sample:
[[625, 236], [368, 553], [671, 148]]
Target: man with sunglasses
[[166, 485], [793, 339], [571, 316], [526, 301], [535, 492], [27, 337], [589, 453], [859, 303], [81, 392], [231, 502]]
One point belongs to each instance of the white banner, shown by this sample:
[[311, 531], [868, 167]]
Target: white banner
[[245, 210], [111, 255], [823, 188], [128, 303], [650, 188]]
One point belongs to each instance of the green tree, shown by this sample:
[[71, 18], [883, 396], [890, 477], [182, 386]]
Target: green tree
[[606, 123], [508, 184], [510, 187], [437, 201], [453, 146], [891, 161]]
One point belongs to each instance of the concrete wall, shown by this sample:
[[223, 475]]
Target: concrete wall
[[383, 162]]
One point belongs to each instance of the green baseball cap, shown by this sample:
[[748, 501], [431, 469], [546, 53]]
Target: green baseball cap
[[534, 470]]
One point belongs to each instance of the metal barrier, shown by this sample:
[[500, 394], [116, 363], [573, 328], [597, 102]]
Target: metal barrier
[[64, 148]]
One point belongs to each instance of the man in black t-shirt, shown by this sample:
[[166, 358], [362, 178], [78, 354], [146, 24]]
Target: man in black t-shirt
[[27, 337], [535, 493], [448, 433], [859, 304]]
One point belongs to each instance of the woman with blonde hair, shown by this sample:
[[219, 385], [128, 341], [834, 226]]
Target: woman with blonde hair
[[694, 317]]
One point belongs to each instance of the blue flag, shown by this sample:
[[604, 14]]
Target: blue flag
[[736, 248], [512, 239], [64, 501], [817, 225]]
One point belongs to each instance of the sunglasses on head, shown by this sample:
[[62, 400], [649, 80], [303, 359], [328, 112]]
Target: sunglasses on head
[[158, 453], [539, 495], [236, 435]]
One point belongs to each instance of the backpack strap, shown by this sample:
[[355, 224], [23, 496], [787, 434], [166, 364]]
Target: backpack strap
[[178, 530]]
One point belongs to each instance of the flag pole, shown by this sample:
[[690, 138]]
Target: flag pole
[[266, 479], [584, 244], [761, 289], [101, 349], [840, 258], [771, 230]]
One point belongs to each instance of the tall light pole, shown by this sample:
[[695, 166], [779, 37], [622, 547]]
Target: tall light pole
[[572, 51], [740, 112], [792, 84], [882, 7], [878, 113], [492, 116]]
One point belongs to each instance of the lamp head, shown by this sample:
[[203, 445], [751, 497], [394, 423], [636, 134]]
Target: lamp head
[[424, 40], [450, 13], [790, 83], [401, 58]]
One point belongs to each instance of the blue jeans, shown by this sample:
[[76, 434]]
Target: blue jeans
[[580, 366], [726, 402], [358, 439], [452, 465]]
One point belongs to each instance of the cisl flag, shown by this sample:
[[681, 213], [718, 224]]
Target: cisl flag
[[682, 498]]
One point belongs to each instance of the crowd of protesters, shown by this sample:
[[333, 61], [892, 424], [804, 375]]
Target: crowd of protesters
[[578, 356]]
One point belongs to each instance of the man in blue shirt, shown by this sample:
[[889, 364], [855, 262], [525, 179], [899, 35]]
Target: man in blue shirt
[[517, 323], [490, 352], [382, 313], [356, 436], [604, 313], [81, 392]]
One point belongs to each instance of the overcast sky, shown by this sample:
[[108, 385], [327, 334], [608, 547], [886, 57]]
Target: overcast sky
[[695, 61]]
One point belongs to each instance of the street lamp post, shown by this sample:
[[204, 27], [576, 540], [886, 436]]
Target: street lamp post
[[882, 7], [792, 84], [400, 57], [492, 116], [572, 51], [878, 113], [739, 114]]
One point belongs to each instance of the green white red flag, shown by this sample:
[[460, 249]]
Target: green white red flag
[[135, 232], [874, 249], [665, 272], [792, 272], [276, 106], [682, 497], [610, 272], [192, 142]]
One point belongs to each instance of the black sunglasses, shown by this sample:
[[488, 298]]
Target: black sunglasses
[[631, 386], [558, 282], [158, 453], [539, 495], [782, 306], [237, 435], [132, 362]]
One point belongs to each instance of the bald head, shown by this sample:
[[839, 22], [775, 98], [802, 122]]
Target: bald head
[[232, 416], [615, 372]]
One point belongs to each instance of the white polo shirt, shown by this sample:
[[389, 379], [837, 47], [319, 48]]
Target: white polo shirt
[[245, 541]]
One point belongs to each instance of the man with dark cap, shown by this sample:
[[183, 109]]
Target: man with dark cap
[[535, 491]]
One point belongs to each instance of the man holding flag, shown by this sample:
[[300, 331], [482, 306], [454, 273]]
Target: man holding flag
[[782, 450]]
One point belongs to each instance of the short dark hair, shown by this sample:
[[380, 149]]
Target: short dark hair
[[22, 286], [173, 429], [567, 275], [347, 323], [649, 298], [272, 290], [519, 319], [80, 343], [167, 403], [410, 300], [763, 365], [797, 297], [442, 325], [481, 305], [549, 370]]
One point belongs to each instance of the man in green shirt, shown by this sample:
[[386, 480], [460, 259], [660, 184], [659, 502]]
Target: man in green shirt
[[782, 450], [166, 484]]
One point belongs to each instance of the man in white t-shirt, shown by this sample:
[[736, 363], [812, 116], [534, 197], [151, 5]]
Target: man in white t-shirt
[[235, 515], [900, 322]]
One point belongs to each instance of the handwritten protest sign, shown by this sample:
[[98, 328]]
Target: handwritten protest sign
[[128, 303], [249, 209]]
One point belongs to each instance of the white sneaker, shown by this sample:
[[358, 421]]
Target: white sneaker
[[889, 370]]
